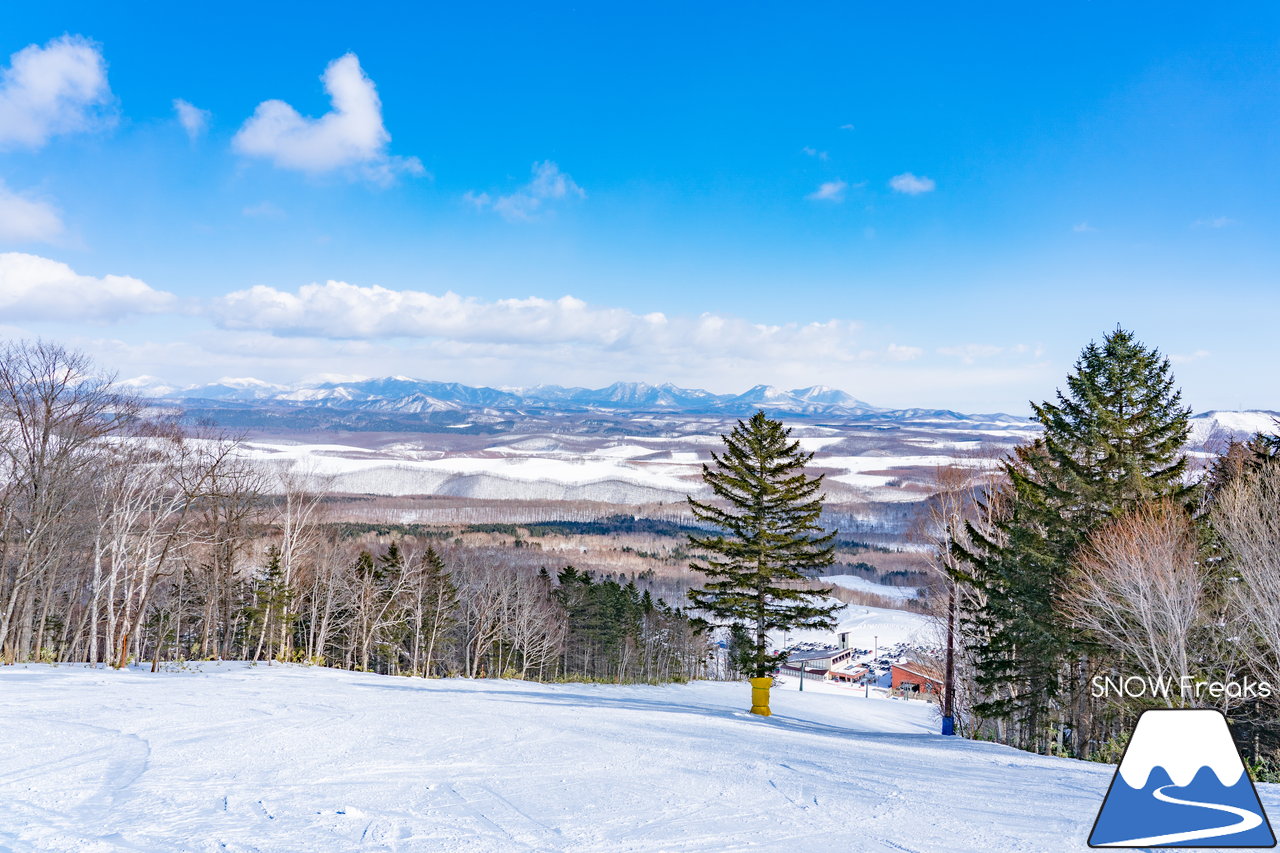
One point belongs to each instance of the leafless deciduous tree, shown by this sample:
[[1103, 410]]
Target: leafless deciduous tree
[[964, 495], [1140, 588], [126, 535], [54, 410], [1247, 519]]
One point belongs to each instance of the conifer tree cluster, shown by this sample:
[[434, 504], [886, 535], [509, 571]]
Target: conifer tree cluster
[[618, 633], [1112, 441], [1099, 554], [414, 610]]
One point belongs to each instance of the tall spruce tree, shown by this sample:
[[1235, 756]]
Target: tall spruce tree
[[768, 540], [269, 611], [1111, 441]]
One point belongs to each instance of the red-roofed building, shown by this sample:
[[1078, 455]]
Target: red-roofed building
[[915, 678]]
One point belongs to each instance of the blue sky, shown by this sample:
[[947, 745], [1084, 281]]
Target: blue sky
[[922, 206]]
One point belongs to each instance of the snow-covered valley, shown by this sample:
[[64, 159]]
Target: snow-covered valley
[[655, 459], [286, 758]]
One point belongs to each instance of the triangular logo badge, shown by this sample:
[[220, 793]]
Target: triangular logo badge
[[1181, 783]]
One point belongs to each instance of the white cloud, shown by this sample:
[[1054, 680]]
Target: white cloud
[[337, 327], [36, 288], [970, 353], [193, 119], [911, 184], [45, 91], [350, 136], [263, 210], [567, 328], [27, 220], [547, 185], [847, 127], [829, 191], [1214, 222], [337, 309], [814, 152], [896, 352], [1083, 228]]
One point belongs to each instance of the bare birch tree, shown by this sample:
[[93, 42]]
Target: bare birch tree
[[54, 409], [1141, 591], [1246, 518]]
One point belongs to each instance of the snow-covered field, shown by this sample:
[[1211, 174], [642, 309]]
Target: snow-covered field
[[867, 627], [892, 464], [630, 469], [859, 584], [278, 758]]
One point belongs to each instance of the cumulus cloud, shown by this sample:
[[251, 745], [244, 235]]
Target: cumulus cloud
[[829, 191], [36, 288], [911, 184], [27, 220], [350, 136], [45, 91], [337, 309], [515, 328], [344, 328], [814, 152], [193, 119], [547, 186], [898, 352]]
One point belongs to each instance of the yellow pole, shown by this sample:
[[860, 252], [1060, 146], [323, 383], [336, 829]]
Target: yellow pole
[[760, 695]]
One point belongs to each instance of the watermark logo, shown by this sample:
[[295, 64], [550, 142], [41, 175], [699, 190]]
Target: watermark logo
[[1181, 783], [1169, 688]]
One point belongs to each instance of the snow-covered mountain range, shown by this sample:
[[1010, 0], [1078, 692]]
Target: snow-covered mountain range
[[628, 443], [408, 395]]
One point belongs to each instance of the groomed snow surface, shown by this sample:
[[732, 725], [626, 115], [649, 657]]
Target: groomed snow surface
[[240, 758], [860, 584]]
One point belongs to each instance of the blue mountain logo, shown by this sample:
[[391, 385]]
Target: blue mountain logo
[[1181, 783]]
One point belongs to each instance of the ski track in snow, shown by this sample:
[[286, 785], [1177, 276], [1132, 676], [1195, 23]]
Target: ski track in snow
[[256, 758]]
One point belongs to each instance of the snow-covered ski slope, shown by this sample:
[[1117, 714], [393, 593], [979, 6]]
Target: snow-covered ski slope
[[241, 758]]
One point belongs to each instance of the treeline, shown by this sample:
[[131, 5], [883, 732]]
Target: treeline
[[464, 612], [1097, 553], [615, 632], [609, 526], [123, 537]]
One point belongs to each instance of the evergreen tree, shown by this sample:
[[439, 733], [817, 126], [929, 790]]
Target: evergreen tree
[[618, 633], [768, 540], [394, 630], [1241, 458], [438, 611], [270, 608], [1116, 437], [1112, 440]]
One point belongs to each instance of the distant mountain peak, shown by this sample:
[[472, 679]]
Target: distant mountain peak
[[245, 382], [407, 395], [147, 386], [764, 392]]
